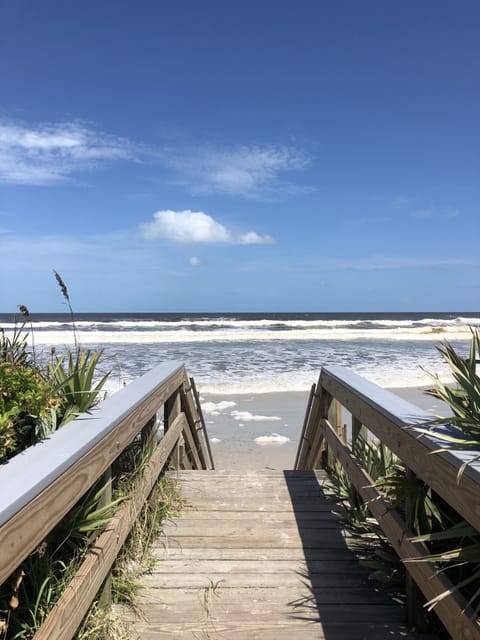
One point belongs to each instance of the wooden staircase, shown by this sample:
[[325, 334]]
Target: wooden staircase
[[260, 555]]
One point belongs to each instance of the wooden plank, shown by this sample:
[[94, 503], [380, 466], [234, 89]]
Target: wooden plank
[[280, 540], [192, 418], [353, 581], [271, 594], [340, 564], [245, 503], [66, 616], [389, 418], [206, 439], [458, 618], [191, 450], [303, 442], [186, 464], [192, 516], [269, 554], [244, 574], [262, 605], [321, 409], [291, 474], [274, 630], [260, 495], [68, 463]]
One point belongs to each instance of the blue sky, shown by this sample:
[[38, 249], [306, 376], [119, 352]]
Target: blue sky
[[240, 156]]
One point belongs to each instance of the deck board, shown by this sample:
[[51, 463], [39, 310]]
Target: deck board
[[259, 555]]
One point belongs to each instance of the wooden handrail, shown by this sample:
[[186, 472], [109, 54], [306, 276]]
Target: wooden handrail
[[41, 484], [393, 421]]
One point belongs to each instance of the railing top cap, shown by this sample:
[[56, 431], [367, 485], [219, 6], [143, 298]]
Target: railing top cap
[[400, 411], [403, 414]]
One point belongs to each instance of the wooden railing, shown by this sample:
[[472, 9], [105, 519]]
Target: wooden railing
[[39, 486], [341, 396]]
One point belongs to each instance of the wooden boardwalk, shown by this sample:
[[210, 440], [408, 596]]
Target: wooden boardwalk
[[259, 555]]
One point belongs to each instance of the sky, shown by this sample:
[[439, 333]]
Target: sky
[[254, 155]]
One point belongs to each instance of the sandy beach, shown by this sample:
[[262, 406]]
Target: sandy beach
[[261, 431]]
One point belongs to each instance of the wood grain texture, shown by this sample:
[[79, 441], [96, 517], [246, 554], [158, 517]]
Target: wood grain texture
[[47, 497], [457, 617], [259, 555], [390, 418], [73, 605], [393, 421]]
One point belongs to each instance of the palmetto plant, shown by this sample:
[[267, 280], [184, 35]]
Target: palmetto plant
[[463, 398], [380, 463], [34, 402], [73, 378], [458, 545], [47, 571]]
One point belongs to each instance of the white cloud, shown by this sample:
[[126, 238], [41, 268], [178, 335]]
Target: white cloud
[[194, 261], [190, 227], [251, 237], [185, 227], [48, 153], [253, 172]]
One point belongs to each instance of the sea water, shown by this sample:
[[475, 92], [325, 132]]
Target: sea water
[[244, 353]]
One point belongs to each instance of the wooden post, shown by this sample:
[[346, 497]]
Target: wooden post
[[303, 440], [171, 409], [149, 432], [202, 427], [414, 597], [106, 598], [333, 414], [356, 430]]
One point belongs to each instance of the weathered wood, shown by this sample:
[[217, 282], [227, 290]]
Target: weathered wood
[[356, 429], [191, 449], [192, 418], [185, 462], [267, 604], [244, 574], [338, 563], [273, 630], [457, 617], [202, 423], [69, 462], [390, 418], [394, 422], [69, 611], [302, 443]]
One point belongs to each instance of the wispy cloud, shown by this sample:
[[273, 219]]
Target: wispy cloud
[[194, 261], [413, 208], [191, 227], [256, 172], [435, 213], [49, 153], [377, 263]]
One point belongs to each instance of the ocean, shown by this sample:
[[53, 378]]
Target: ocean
[[244, 353]]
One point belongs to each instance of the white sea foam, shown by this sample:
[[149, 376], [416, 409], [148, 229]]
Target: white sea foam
[[250, 355], [215, 440], [216, 408], [274, 438], [252, 323], [393, 333], [246, 416]]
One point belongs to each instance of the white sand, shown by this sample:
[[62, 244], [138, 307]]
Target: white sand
[[261, 431]]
